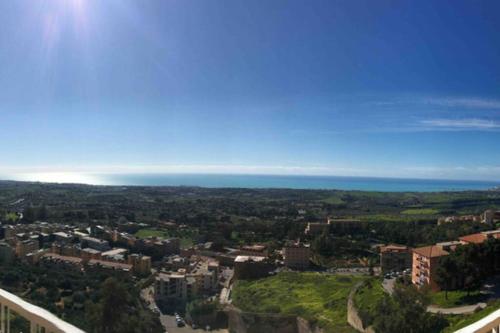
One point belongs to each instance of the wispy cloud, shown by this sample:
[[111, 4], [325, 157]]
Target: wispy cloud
[[460, 124], [464, 102]]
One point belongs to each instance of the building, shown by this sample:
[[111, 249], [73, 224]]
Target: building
[[491, 216], [395, 258], [62, 237], [462, 218], [296, 255], [96, 244], [88, 254], [425, 264], [174, 286], [26, 246], [251, 267], [116, 254], [6, 253], [140, 264], [62, 260], [102, 264], [316, 228], [343, 225], [254, 250], [480, 237]]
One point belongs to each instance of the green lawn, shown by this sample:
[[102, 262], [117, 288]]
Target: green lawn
[[317, 297], [334, 200], [420, 211], [185, 239], [145, 233], [458, 322], [455, 298]]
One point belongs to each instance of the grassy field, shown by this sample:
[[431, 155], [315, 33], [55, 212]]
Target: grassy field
[[420, 211], [458, 322], [455, 298], [317, 297], [145, 233], [334, 200], [185, 239]]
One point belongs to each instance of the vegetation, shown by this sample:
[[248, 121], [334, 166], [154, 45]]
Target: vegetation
[[145, 233], [406, 311], [455, 298], [367, 298], [80, 297], [420, 211], [457, 322], [468, 266], [319, 298]]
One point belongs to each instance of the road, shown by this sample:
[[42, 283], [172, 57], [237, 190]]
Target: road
[[168, 322], [458, 310], [388, 285]]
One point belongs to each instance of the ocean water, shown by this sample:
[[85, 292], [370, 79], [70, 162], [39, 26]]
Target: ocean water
[[267, 181]]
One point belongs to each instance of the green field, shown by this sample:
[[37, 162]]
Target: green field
[[420, 211], [317, 297], [185, 238], [145, 233], [334, 200]]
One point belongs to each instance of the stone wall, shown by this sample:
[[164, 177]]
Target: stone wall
[[353, 317]]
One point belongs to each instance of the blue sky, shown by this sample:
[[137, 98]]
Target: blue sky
[[368, 88]]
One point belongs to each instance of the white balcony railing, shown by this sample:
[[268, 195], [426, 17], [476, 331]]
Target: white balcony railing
[[39, 318]]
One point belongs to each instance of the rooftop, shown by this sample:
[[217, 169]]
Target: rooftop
[[431, 251], [249, 258], [394, 248]]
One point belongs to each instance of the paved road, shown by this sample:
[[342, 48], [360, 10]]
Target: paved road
[[492, 289], [388, 285], [458, 310], [170, 326]]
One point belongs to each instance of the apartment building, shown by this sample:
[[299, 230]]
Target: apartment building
[[174, 286], [425, 264], [96, 243], [23, 247], [296, 255], [140, 264], [88, 254]]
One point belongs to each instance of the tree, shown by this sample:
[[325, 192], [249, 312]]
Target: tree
[[108, 315], [446, 274], [406, 307]]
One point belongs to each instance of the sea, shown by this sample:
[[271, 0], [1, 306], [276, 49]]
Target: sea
[[265, 181]]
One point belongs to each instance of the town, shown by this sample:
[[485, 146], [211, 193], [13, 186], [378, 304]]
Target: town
[[203, 283]]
